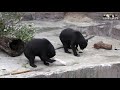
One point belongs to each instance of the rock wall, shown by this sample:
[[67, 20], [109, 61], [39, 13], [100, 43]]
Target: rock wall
[[99, 15], [78, 16], [99, 71], [108, 28], [43, 16]]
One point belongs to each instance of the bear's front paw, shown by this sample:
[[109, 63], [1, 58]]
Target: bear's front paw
[[68, 52], [46, 63], [33, 65], [75, 54], [51, 61]]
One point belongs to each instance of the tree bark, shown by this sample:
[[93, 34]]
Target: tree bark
[[12, 46], [101, 45]]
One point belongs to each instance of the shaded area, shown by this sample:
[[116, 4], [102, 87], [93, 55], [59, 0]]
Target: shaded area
[[12, 46]]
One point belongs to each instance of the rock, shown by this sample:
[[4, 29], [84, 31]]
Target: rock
[[101, 45]]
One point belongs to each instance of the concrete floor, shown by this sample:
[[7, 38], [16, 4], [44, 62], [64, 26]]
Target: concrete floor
[[92, 63]]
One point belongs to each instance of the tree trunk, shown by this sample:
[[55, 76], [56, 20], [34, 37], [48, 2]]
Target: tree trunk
[[12, 46]]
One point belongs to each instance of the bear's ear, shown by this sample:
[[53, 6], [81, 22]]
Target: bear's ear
[[86, 40]]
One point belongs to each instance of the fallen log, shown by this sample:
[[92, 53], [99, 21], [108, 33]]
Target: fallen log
[[101, 45], [12, 46]]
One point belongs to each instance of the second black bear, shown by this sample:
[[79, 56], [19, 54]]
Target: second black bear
[[71, 39], [39, 47]]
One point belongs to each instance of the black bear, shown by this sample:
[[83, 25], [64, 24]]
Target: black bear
[[71, 39], [39, 47]]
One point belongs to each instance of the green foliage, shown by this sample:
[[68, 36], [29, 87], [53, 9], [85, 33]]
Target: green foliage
[[25, 33], [9, 26], [2, 27]]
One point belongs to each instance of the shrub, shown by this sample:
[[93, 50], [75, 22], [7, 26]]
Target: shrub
[[24, 32], [10, 27]]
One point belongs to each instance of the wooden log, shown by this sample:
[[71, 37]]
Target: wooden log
[[101, 45], [12, 46]]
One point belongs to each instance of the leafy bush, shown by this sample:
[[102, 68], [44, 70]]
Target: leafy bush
[[24, 33], [10, 27]]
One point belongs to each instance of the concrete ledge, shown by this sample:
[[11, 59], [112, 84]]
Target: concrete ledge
[[111, 70], [98, 71]]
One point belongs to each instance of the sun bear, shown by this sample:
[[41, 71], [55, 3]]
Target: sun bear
[[41, 48], [71, 39]]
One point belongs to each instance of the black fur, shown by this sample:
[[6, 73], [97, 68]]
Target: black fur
[[71, 39], [39, 47]]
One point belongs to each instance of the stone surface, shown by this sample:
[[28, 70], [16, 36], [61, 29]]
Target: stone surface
[[71, 16], [115, 33], [51, 16], [92, 63]]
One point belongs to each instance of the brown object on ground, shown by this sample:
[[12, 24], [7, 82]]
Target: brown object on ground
[[12, 46], [102, 46], [21, 72], [25, 71]]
